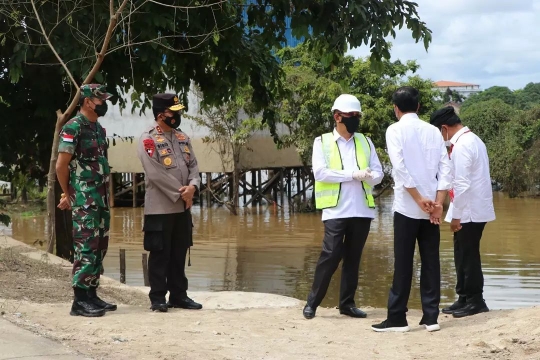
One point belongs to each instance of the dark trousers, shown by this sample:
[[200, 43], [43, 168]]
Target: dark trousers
[[406, 232], [470, 279], [343, 239], [168, 238]]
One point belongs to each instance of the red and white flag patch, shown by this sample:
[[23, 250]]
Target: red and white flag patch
[[149, 146], [67, 137]]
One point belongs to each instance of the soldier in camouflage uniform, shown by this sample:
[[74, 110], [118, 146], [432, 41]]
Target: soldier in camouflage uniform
[[171, 179], [83, 171]]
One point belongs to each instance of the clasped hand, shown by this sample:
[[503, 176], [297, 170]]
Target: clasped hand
[[361, 175], [433, 208], [187, 193]]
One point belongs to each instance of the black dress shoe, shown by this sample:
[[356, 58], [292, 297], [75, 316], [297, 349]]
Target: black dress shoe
[[185, 303], [353, 312], [85, 308], [455, 306], [161, 307], [309, 312], [471, 309]]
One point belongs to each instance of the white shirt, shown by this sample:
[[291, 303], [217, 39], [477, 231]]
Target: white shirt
[[419, 160], [352, 199], [473, 195]]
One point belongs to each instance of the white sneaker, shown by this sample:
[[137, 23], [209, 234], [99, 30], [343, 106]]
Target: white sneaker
[[433, 327]]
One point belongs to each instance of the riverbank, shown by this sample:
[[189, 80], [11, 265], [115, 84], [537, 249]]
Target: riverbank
[[35, 295]]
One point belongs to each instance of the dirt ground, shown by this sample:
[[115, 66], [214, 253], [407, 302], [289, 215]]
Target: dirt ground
[[36, 295]]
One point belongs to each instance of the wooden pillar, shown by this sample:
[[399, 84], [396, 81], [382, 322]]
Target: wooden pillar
[[298, 180], [282, 186], [253, 186], [244, 188], [134, 188], [111, 190], [289, 185], [231, 186], [209, 188]]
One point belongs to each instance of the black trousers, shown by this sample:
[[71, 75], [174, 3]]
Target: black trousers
[[470, 279], [168, 238], [343, 239], [406, 232]]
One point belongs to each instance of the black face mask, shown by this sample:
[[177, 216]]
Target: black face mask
[[101, 109], [351, 123], [172, 121]]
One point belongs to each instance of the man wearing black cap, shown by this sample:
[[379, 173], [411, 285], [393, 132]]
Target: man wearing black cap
[[171, 179], [471, 207]]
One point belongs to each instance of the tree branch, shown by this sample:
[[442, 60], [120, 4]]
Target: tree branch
[[38, 18]]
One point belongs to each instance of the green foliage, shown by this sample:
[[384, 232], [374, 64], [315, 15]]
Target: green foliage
[[452, 95], [515, 153], [157, 47], [522, 99], [487, 118], [311, 91]]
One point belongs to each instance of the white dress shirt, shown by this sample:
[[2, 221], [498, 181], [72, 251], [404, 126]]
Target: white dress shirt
[[352, 198], [473, 195], [419, 160]]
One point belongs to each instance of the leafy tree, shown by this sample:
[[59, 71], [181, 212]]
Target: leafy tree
[[529, 96], [231, 126], [515, 153], [487, 118], [311, 91], [452, 95], [139, 47], [495, 92]]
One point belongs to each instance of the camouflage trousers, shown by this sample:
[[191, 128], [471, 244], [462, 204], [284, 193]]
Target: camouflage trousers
[[90, 240]]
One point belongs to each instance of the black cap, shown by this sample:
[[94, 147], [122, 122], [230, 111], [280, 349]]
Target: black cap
[[166, 101], [445, 116]]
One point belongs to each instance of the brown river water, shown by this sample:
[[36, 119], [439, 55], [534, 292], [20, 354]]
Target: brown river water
[[270, 251]]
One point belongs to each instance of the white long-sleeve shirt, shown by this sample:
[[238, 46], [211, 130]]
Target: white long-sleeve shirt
[[473, 195], [352, 199], [419, 160]]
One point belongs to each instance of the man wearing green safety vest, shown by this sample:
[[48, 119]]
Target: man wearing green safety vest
[[346, 167]]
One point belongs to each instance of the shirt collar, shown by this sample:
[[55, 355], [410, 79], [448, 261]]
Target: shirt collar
[[337, 136], [84, 119], [409, 116], [456, 136]]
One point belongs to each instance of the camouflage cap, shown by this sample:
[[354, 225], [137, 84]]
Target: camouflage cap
[[95, 90]]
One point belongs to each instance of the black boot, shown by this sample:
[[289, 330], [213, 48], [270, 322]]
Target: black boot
[[459, 304], [82, 306], [92, 296], [184, 303], [471, 308]]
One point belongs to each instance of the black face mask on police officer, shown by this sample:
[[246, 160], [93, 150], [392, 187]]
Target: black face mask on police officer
[[172, 121], [101, 109], [351, 123]]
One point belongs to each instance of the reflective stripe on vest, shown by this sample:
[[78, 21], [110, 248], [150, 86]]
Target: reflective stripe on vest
[[327, 194]]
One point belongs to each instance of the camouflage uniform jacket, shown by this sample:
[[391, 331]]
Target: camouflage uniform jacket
[[89, 168], [168, 165]]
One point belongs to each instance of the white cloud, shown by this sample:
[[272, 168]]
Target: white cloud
[[486, 42]]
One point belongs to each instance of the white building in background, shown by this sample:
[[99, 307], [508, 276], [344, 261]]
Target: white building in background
[[260, 153], [464, 89]]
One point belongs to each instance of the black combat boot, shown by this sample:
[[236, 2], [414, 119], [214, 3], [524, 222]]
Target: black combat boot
[[82, 306], [92, 296]]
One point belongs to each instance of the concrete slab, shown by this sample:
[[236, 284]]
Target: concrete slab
[[17, 343]]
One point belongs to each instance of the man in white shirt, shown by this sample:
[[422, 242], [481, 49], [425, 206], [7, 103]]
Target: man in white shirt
[[422, 175], [346, 167], [471, 207]]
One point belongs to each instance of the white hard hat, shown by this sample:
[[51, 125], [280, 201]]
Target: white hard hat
[[347, 103]]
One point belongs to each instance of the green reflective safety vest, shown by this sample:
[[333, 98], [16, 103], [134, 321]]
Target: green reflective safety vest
[[327, 194]]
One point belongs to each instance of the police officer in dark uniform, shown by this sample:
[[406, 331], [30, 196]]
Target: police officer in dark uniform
[[171, 178]]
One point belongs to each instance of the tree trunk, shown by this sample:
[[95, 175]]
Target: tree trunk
[[24, 195], [63, 228], [51, 180]]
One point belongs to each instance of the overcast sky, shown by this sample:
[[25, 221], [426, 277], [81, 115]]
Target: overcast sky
[[485, 42]]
